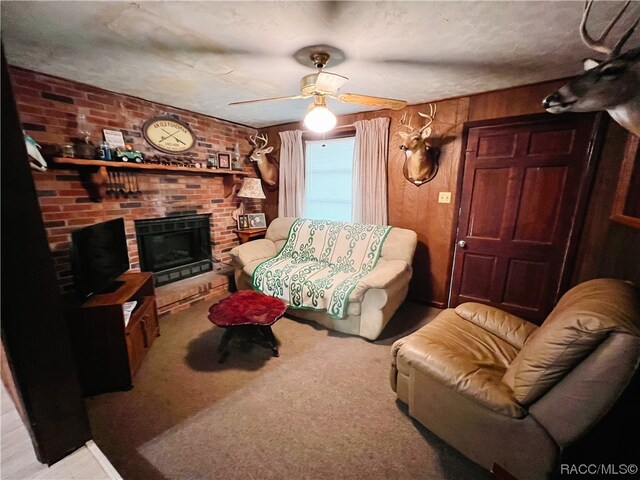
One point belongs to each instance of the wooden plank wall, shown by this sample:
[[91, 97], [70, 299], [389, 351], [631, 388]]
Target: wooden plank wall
[[417, 208], [608, 249]]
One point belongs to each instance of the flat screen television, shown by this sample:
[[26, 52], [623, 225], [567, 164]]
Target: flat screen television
[[99, 256]]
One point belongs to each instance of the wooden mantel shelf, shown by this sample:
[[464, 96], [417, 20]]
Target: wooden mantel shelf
[[99, 178]]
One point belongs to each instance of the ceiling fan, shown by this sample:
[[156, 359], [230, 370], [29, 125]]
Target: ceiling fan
[[323, 84]]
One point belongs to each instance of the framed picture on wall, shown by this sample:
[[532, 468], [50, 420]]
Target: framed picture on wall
[[224, 160], [626, 204], [212, 161], [257, 220]]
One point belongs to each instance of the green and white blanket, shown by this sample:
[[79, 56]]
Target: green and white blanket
[[320, 264]]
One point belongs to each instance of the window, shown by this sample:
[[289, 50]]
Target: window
[[328, 174]]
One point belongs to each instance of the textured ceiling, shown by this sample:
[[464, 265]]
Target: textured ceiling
[[202, 55]]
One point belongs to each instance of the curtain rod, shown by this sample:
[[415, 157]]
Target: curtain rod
[[341, 127]]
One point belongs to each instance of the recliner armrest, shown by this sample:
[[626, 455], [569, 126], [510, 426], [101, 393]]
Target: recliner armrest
[[510, 328], [382, 276], [261, 249]]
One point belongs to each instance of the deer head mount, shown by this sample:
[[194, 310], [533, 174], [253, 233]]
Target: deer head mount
[[421, 163], [612, 84], [268, 171]]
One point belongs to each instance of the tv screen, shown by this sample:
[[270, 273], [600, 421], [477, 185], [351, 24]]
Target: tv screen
[[98, 256]]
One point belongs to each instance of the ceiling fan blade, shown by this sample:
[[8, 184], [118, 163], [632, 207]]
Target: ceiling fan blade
[[329, 83], [293, 97], [372, 101]]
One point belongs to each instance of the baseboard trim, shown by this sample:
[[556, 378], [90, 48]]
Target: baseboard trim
[[430, 303], [103, 461]]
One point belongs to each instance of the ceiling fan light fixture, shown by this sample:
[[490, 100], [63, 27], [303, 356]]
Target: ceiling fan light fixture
[[319, 118]]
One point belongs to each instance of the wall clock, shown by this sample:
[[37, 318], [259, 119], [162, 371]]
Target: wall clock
[[168, 135]]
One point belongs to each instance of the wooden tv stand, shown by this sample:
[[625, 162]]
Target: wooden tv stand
[[108, 354]]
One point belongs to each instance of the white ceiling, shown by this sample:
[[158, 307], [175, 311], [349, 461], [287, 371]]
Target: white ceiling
[[202, 55]]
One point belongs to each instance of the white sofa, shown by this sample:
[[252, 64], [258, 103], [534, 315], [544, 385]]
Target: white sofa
[[372, 302]]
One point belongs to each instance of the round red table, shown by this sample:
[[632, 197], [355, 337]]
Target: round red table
[[247, 309]]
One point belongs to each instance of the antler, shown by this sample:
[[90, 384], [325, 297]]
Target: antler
[[598, 44], [405, 123], [263, 138], [433, 108]]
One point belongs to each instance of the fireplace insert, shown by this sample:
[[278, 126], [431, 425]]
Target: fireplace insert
[[175, 247]]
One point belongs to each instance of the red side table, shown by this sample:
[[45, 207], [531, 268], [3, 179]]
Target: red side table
[[247, 309]]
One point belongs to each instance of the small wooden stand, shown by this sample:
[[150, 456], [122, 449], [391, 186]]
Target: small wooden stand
[[108, 354], [250, 233]]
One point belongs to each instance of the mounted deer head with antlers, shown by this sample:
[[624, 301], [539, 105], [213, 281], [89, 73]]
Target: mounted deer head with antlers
[[421, 164], [612, 84], [268, 171]]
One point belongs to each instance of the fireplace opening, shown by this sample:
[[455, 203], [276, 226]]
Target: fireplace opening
[[175, 247]]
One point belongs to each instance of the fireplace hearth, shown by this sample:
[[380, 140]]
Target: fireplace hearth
[[175, 247]]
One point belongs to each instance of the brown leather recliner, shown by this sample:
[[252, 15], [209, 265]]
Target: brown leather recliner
[[503, 391]]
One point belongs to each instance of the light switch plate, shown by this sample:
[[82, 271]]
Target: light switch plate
[[444, 197]]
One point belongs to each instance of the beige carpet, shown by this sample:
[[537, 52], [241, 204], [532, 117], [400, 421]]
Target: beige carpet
[[323, 410]]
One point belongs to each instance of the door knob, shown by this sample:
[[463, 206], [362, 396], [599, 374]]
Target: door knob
[[462, 244]]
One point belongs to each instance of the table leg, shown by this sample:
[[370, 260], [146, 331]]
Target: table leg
[[224, 343], [270, 339]]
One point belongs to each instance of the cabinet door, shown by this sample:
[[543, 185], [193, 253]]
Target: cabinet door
[[150, 320], [136, 345]]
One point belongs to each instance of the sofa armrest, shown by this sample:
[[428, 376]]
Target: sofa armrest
[[510, 328], [261, 249], [382, 276]]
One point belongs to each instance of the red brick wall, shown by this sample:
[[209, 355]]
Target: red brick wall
[[48, 107]]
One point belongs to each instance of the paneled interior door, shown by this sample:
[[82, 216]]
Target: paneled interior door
[[518, 206]]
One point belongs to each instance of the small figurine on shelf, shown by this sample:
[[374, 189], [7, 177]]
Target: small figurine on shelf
[[67, 150], [103, 151], [128, 154], [237, 160], [84, 149], [35, 157]]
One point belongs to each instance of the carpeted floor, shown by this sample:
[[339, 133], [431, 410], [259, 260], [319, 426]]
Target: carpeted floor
[[323, 410]]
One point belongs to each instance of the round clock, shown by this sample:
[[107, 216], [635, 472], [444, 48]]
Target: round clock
[[168, 135]]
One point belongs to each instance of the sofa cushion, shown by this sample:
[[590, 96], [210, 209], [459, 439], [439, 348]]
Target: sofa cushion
[[354, 307], [399, 245], [321, 263], [465, 357], [383, 275], [278, 231], [508, 327], [259, 251], [583, 318]]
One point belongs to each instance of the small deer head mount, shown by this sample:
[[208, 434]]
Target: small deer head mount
[[268, 171], [421, 163], [612, 85]]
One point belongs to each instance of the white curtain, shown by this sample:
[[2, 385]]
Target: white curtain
[[291, 187], [370, 171]]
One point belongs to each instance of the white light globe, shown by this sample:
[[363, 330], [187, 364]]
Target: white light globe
[[320, 119]]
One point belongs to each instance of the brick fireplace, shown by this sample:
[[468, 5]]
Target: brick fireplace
[[48, 107]]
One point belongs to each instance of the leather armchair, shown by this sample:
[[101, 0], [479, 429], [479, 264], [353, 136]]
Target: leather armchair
[[503, 391]]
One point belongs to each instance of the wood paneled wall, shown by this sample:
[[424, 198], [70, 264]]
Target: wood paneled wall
[[608, 249], [417, 208]]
